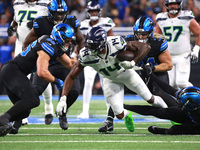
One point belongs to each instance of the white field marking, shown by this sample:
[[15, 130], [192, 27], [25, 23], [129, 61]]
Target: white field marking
[[189, 142], [87, 128], [102, 123], [100, 134]]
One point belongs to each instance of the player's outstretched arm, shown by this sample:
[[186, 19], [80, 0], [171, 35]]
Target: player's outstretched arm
[[69, 80]]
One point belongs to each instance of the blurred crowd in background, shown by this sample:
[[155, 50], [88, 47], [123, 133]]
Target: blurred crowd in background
[[123, 12]]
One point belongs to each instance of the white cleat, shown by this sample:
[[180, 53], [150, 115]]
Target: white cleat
[[24, 121], [83, 116]]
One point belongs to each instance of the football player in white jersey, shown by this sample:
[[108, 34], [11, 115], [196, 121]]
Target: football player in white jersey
[[25, 11], [100, 52], [95, 20], [176, 25]]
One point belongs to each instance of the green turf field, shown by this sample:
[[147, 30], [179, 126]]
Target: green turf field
[[86, 136]]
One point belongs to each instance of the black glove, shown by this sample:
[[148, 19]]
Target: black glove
[[148, 69], [10, 31], [30, 24]]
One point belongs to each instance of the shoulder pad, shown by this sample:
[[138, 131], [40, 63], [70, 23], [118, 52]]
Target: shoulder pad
[[118, 42]]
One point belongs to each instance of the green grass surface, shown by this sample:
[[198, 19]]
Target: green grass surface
[[86, 136]]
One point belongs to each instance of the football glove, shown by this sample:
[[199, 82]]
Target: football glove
[[10, 31], [62, 106], [59, 83], [30, 24], [148, 69], [194, 56], [127, 64]]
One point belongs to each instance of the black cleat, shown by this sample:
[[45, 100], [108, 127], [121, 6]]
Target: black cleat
[[107, 126], [48, 119], [63, 122], [5, 129], [157, 130], [15, 127]]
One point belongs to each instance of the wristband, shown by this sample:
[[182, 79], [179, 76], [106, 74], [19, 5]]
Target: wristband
[[55, 81], [73, 55], [196, 48], [153, 68]]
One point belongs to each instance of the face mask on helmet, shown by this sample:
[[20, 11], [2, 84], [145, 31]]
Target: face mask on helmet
[[31, 2], [93, 6], [57, 11], [95, 40], [189, 98], [173, 11], [62, 34], [143, 29]]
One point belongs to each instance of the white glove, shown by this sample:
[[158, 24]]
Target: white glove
[[127, 64], [62, 106], [194, 56], [73, 55], [137, 68]]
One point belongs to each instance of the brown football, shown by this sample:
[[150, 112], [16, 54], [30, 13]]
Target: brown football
[[125, 55]]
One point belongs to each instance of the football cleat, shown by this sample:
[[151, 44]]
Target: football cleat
[[175, 123], [15, 126], [48, 119], [24, 121], [83, 116], [157, 130], [5, 129], [128, 120], [63, 122], [107, 126]]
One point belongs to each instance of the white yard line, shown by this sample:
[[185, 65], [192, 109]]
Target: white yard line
[[192, 142], [99, 134], [75, 128]]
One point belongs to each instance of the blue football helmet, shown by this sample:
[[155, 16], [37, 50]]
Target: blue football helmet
[[95, 40], [173, 11], [144, 26], [57, 11], [60, 33], [189, 98], [93, 5]]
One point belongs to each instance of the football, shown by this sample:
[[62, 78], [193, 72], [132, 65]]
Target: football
[[125, 55]]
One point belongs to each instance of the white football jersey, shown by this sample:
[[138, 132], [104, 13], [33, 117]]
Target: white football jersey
[[23, 13], [105, 23], [176, 31], [107, 65]]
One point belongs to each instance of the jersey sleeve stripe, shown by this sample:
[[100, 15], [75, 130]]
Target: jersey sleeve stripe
[[161, 19], [77, 23], [35, 25], [47, 48], [186, 17], [84, 28], [106, 25], [164, 46], [89, 62]]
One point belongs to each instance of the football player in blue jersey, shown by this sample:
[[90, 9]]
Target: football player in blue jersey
[[25, 11], [43, 25], [183, 108], [158, 56], [36, 57]]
